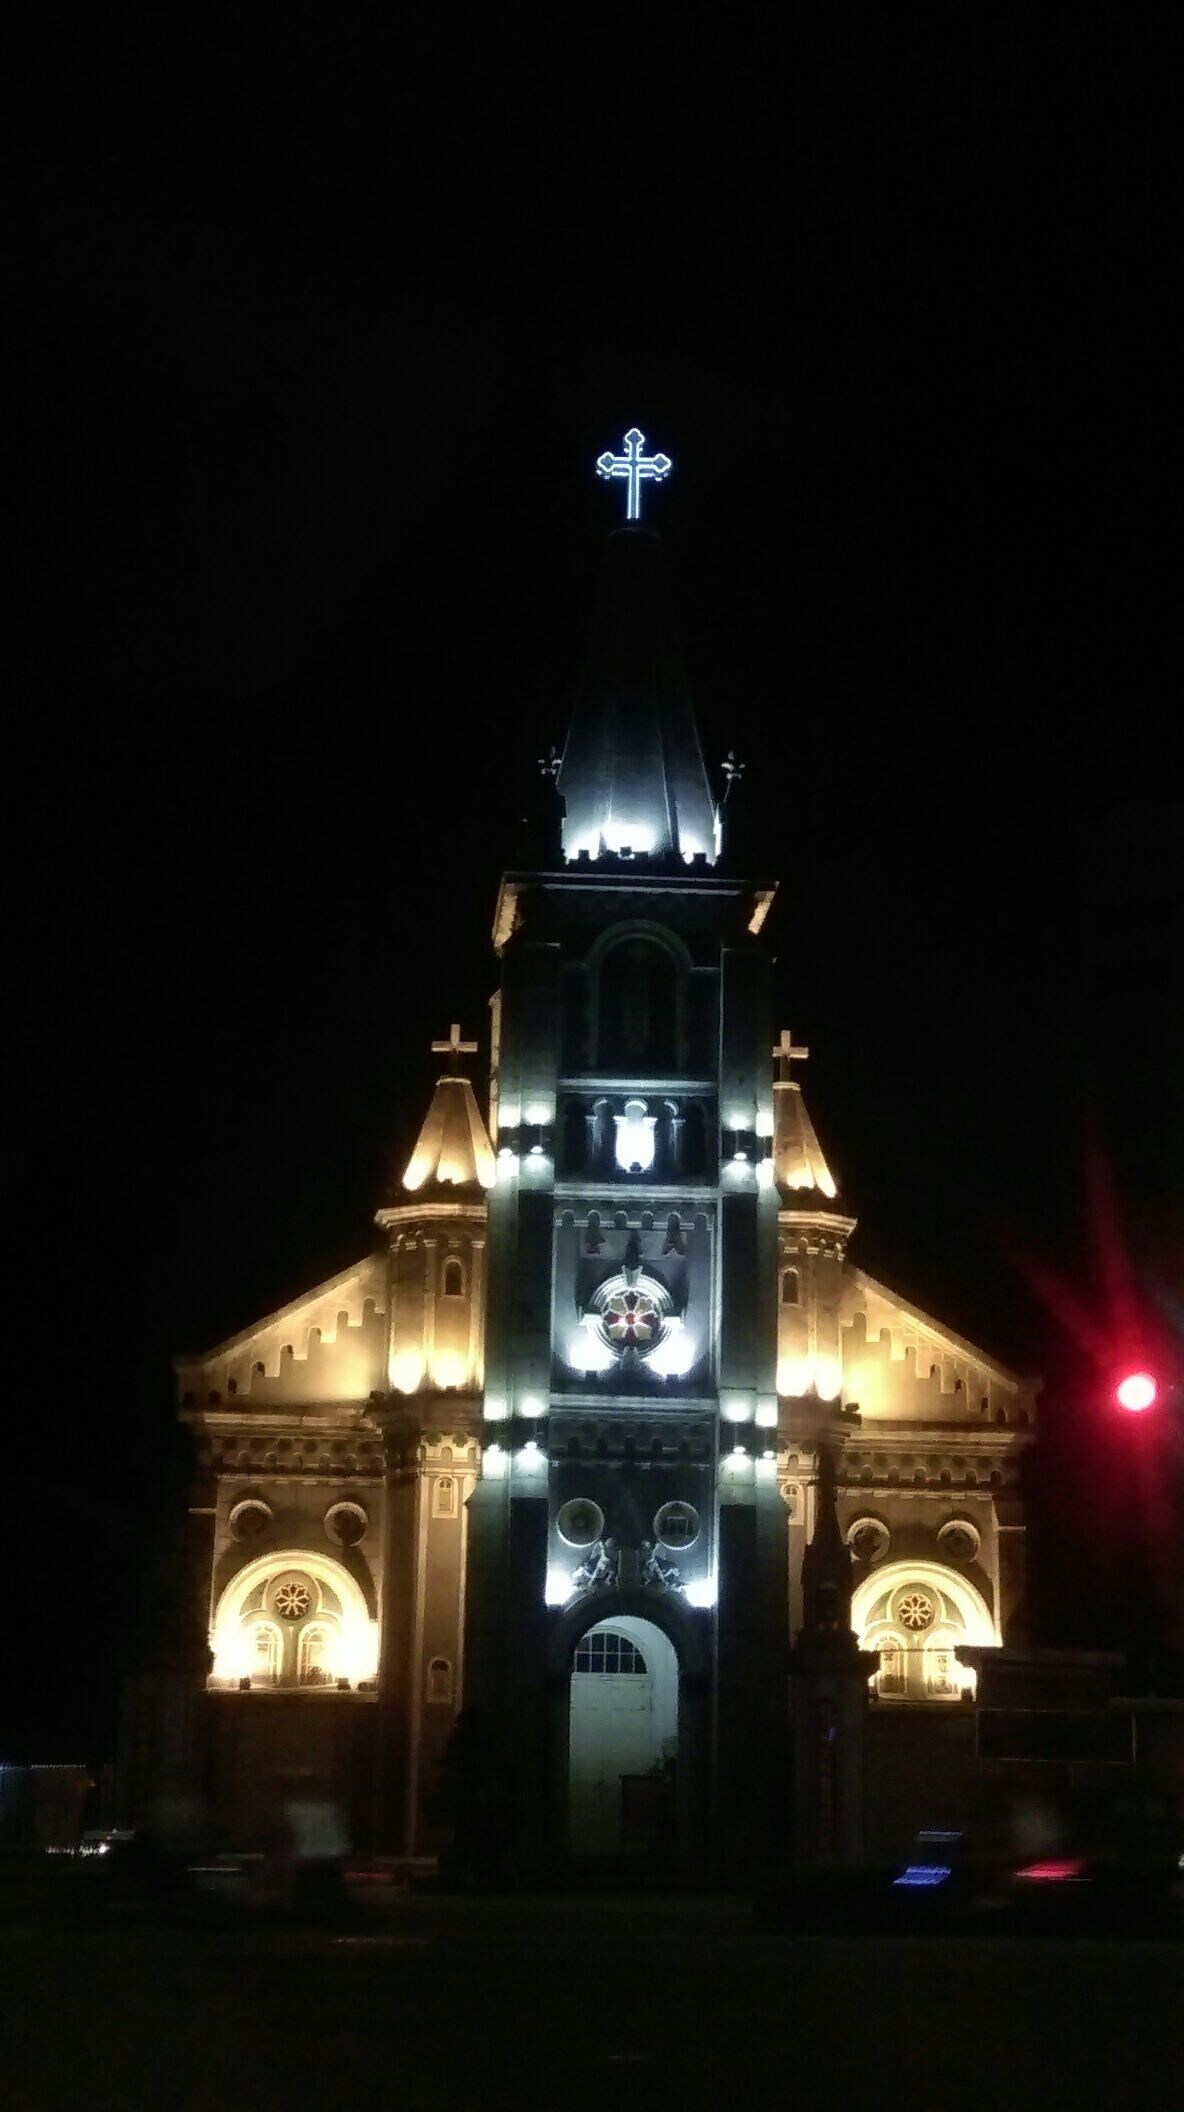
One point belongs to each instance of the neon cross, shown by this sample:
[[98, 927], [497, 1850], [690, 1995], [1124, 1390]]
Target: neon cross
[[454, 1047], [784, 1054], [634, 466]]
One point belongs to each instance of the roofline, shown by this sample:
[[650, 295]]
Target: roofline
[[282, 1312], [970, 1349]]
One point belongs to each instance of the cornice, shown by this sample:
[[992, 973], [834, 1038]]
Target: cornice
[[465, 1211]]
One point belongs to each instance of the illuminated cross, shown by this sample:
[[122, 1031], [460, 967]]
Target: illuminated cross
[[784, 1053], [454, 1048], [634, 466]]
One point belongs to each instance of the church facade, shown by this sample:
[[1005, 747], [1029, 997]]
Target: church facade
[[551, 1455]]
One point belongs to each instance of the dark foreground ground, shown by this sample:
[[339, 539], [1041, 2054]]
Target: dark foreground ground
[[582, 2004]]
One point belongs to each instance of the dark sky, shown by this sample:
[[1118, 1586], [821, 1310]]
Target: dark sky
[[321, 329]]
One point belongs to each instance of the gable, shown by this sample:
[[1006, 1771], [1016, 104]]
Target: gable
[[329, 1345], [900, 1363]]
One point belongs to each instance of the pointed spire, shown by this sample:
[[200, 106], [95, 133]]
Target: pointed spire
[[798, 1161], [632, 775], [453, 1149]]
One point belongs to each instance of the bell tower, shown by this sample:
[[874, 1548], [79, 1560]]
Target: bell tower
[[629, 1490]]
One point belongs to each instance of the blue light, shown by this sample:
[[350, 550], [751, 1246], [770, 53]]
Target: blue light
[[924, 1874], [634, 466]]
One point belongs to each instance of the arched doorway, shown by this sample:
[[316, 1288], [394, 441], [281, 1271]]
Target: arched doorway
[[623, 1740]]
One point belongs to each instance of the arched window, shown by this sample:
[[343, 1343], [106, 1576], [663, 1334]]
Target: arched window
[[444, 1496], [439, 1681], [293, 1618], [638, 1010], [263, 1654], [790, 1287], [453, 1285], [917, 1615], [604, 1651], [315, 1645], [891, 1677], [940, 1668]]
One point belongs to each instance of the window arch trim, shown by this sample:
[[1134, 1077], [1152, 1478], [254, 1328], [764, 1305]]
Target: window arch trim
[[605, 945], [887, 1577], [356, 1632]]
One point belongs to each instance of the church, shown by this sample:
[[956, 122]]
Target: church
[[607, 1448]]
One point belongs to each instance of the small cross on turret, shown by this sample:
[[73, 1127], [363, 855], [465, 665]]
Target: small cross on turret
[[784, 1053], [454, 1048]]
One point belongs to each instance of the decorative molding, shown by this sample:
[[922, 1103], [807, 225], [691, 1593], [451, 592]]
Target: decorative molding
[[394, 1215]]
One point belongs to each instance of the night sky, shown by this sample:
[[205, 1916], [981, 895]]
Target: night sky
[[321, 330]]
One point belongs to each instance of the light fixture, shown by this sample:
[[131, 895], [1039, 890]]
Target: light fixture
[[635, 1138], [407, 1368]]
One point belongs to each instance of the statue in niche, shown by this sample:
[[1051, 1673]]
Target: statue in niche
[[593, 1237], [674, 1242]]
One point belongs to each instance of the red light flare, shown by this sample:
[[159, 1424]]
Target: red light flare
[[1058, 1870], [1136, 1391]]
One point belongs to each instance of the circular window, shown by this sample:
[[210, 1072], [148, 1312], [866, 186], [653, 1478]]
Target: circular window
[[959, 1540], [631, 1320], [868, 1539], [292, 1599], [346, 1523], [632, 1314], [580, 1521], [914, 1609], [676, 1524], [250, 1518]]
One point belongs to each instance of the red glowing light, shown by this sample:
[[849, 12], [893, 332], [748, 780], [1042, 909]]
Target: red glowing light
[[1060, 1870], [1136, 1391]]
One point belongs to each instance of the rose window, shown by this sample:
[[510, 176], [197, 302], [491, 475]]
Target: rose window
[[915, 1610], [630, 1314], [631, 1320], [292, 1600]]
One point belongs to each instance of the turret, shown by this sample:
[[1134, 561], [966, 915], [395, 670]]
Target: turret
[[438, 1240], [812, 1235]]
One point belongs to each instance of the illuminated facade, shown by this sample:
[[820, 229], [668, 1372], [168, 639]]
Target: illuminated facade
[[550, 1452]]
